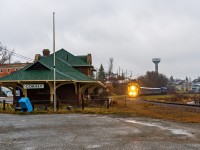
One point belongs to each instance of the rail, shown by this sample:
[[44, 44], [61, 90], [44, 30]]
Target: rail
[[197, 104]]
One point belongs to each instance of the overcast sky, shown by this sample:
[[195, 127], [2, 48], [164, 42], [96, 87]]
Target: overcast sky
[[132, 32]]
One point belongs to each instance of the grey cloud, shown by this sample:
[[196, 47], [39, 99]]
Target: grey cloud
[[130, 31]]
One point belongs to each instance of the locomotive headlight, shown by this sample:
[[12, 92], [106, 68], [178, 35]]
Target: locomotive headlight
[[133, 88], [134, 93]]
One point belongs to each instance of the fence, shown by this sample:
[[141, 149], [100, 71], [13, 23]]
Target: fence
[[94, 101], [5, 105]]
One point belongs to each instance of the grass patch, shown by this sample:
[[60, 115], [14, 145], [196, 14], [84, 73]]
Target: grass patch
[[127, 108]]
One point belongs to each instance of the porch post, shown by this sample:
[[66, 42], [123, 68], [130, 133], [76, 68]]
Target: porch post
[[51, 92], [51, 97], [25, 92], [79, 93]]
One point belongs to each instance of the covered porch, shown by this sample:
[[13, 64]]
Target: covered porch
[[42, 92]]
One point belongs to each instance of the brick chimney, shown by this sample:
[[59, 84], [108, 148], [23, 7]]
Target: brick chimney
[[46, 52], [37, 57], [89, 59]]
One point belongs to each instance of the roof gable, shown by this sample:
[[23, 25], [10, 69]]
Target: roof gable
[[37, 66]]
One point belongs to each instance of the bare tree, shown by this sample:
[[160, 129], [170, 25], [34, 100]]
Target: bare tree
[[110, 67], [17, 62], [152, 79], [5, 54]]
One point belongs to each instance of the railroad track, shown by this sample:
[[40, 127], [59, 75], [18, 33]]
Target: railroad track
[[170, 103]]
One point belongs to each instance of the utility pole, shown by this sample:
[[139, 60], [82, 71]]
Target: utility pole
[[54, 67]]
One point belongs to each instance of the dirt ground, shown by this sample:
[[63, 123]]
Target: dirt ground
[[84, 131]]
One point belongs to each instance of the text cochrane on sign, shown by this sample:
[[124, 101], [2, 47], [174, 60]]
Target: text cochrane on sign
[[33, 86]]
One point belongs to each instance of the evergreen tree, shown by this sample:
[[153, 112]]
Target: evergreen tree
[[101, 74], [171, 79], [122, 77]]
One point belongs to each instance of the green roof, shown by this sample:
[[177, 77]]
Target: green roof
[[43, 69], [70, 58], [83, 57]]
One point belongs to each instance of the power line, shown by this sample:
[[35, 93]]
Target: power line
[[18, 55]]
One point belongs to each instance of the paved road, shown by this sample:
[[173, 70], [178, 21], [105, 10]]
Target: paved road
[[82, 131]]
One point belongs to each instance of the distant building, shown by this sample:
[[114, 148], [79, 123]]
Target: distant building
[[182, 85], [196, 86], [6, 69], [187, 86]]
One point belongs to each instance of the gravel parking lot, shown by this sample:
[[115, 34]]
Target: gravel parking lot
[[83, 131]]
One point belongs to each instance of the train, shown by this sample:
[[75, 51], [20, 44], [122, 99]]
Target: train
[[134, 90]]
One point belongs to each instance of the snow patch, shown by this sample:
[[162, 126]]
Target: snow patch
[[173, 131]]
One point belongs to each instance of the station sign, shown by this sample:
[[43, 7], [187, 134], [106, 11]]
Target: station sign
[[33, 86]]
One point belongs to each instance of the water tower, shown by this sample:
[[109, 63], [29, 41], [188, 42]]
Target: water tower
[[156, 62]]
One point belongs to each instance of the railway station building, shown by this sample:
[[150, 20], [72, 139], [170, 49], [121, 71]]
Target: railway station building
[[74, 78]]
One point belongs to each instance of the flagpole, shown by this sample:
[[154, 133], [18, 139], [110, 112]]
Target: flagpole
[[54, 68]]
